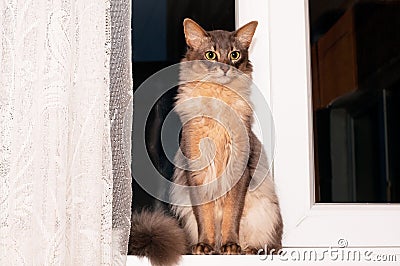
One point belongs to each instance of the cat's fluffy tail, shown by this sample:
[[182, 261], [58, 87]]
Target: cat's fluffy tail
[[157, 236]]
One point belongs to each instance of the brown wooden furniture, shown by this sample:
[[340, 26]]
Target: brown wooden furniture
[[363, 40]]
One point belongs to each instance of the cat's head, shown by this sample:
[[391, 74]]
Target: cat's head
[[228, 48]]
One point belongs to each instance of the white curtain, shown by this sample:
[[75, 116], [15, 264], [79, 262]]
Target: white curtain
[[57, 135]]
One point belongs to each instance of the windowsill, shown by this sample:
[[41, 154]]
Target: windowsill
[[220, 260], [334, 255]]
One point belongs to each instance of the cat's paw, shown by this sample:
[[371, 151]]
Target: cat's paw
[[202, 249], [231, 248], [250, 251]]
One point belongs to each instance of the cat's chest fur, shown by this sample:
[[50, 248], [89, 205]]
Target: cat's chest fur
[[214, 112], [216, 101]]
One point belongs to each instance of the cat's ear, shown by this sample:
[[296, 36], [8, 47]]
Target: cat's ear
[[245, 34], [194, 34]]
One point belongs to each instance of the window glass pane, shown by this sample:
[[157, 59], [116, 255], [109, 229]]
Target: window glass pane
[[356, 96]]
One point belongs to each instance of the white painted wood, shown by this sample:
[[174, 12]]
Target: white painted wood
[[305, 256]]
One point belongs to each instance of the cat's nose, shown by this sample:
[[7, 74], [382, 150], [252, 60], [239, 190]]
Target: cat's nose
[[225, 68]]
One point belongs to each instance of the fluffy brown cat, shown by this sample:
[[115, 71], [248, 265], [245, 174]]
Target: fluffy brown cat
[[239, 221], [233, 208]]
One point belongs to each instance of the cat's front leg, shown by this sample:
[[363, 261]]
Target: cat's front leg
[[233, 209], [206, 229]]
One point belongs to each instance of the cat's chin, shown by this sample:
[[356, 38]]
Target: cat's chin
[[223, 80]]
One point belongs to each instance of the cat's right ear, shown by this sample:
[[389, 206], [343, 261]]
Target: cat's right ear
[[245, 33], [194, 34]]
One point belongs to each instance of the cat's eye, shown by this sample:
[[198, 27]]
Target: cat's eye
[[235, 55], [210, 55]]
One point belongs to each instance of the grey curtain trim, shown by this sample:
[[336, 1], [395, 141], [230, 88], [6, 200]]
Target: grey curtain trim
[[121, 114]]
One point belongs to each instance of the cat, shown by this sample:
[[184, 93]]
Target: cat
[[221, 159], [241, 220]]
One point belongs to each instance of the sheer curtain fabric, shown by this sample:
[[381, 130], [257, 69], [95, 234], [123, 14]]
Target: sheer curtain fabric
[[56, 151]]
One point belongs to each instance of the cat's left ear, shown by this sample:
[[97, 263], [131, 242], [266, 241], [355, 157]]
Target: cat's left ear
[[245, 34]]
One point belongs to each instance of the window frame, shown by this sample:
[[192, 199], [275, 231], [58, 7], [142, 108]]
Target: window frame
[[310, 224]]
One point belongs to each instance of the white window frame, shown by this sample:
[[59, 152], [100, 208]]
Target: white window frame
[[281, 57], [310, 224]]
